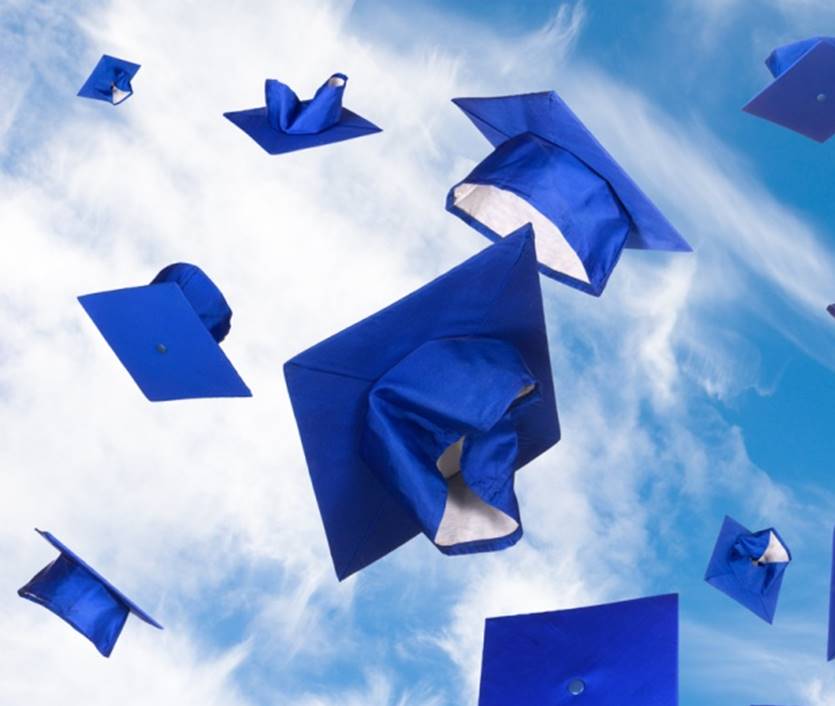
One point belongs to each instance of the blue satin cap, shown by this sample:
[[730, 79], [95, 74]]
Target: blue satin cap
[[586, 224], [78, 594], [167, 333], [554, 173], [802, 95], [749, 567], [110, 80], [606, 655], [416, 418], [287, 124]]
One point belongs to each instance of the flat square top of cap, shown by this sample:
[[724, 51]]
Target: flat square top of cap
[[162, 342], [606, 655], [803, 98]]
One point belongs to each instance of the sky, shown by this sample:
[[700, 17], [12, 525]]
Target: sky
[[698, 385]]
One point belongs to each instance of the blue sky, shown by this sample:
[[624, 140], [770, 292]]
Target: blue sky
[[697, 385]]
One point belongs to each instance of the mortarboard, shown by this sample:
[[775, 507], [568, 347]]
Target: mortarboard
[[605, 655], [547, 169], [167, 334], [81, 596], [802, 95], [749, 567], [287, 124], [416, 418], [831, 309], [110, 80], [830, 651]]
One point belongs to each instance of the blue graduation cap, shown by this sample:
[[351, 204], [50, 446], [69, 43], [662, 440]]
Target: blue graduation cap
[[287, 124], [831, 310], [81, 596], [416, 418], [802, 95], [749, 567], [167, 334], [606, 655], [550, 171], [830, 651], [110, 80]]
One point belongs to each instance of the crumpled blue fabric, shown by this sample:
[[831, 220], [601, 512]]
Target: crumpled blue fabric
[[755, 575], [412, 419], [562, 188], [287, 113], [203, 295], [783, 58]]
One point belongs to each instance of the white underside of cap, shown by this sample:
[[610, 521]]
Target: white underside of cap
[[118, 95], [467, 518], [775, 552], [504, 212]]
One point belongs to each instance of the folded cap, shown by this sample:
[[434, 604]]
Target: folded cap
[[167, 333], [287, 124], [110, 80], [802, 95], [549, 170], [749, 567], [416, 418], [830, 651], [78, 594], [607, 655]]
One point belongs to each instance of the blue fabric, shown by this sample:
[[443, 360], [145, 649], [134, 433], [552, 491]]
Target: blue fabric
[[288, 114], [82, 597], [412, 420], [546, 116], [166, 334], [287, 124], [109, 72], [734, 570], [830, 651], [617, 654], [802, 95], [562, 188], [374, 404], [203, 295], [783, 58]]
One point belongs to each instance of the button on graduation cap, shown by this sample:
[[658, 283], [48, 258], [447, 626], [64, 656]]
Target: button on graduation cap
[[287, 124], [547, 169], [110, 80], [167, 334], [78, 594], [802, 95]]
